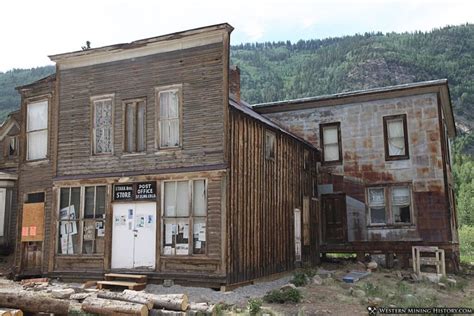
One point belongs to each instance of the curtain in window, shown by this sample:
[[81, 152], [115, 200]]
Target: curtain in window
[[37, 130], [169, 118], [396, 138], [376, 197], [141, 126], [103, 126], [331, 144], [400, 196]]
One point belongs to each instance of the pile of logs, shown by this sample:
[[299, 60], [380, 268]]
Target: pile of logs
[[127, 302]]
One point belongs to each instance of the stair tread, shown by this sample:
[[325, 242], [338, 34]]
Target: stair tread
[[125, 276]]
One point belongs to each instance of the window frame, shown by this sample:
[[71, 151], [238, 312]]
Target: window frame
[[38, 99], [158, 91], [270, 134], [93, 127], [322, 126], [386, 119], [190, 218], [81, 219], [125, 104], [389, 215]]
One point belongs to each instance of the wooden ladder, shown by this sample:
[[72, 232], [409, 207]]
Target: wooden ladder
[[135, 282]]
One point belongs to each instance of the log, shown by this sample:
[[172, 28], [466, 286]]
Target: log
[[111, 307], [201, 309], [164, 312], [174, 302], [33, 302], [16, 312], [5, 312], [127, 297]]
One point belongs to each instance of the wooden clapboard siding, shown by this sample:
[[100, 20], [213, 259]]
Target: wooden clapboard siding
[[37, 176], [200, 72], [262, 197]]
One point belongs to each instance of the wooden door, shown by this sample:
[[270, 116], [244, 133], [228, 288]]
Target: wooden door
[[333, 208]]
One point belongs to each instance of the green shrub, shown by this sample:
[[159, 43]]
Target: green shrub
[[299, 279], [254, 305], [281, 297], [466, 243]]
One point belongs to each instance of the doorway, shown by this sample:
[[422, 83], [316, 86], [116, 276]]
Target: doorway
[[334, 217], [134, 236]]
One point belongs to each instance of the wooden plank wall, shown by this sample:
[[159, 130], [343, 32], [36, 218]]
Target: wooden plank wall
[[200, 72], [263, 195]]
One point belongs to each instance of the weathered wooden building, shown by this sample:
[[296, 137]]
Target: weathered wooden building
[[385, 174], [135, 157]]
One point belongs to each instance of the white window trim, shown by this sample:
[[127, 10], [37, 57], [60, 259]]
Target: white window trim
[[92, 120], [32, 101], [190, 217], [158, 90]]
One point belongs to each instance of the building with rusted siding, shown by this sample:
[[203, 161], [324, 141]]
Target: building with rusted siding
[[385, 179], [137, 158]]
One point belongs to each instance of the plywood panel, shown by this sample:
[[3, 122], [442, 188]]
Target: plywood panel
[[32, 226]]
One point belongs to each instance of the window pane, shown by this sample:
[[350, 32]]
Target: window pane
[[199, 198], [170, 199], [37, 144], [331, 152], [400, 196], [182, 238], [169, 236], [173, 133], [401, 214], [37, 116], [377, 215], [141, 127], [68, 237], [199, 236], [173, 105], [100, 201], [395, 128], [64, 198], [165, 133], [103, 126], [130, 127], [376, 197], [330, 135], [182, 207], [164, 105], [75, 202], [89, 203], [396, 138], [88, 237]]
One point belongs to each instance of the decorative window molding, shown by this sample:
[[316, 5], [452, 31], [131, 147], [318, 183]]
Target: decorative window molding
[[184, 217], [396, 137], [103, 124], [270, 145], [169, 101], [331, 145], [134, 125], [37, 130]]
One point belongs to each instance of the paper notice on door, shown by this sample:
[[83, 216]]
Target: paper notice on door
[[101, 232], [89, 231], [202, 232], [197, 244], [24, 231], [64, 244], [130, 214], [182, 249], [186, 231], [150, 220], [167, 250], [32, 230], [168, 234], [140, 221], [70, 247]]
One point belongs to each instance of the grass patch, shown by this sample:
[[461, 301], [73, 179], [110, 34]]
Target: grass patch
[[254, 305], [466, 243], [281, 297]]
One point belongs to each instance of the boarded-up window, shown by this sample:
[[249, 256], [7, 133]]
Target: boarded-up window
[[37, 130], [331, 142], [169, 122], [32, 226], [401, 204], [102, 125], [135, 126], [185, 215], [377, 205], [81, 220], [396, 141], [269, 145]]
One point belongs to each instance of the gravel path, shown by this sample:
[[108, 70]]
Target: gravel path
[[239, 296]]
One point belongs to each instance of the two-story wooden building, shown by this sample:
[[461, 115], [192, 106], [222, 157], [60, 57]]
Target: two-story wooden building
[[136, 157], [385, 175]]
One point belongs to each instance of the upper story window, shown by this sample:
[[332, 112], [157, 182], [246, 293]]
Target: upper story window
[[169, 107], [37, 130], [13, 146], [396, 137], [102, 125], [135, 126], [389, 205], [330, 134], [270, 145]]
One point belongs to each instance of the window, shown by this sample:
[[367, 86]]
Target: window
[[269, 145], [135, 126], [395, 135], [184, 217], [81, 220], [37, 130], [331, 142], [102, 125], [13, 146], [396, 209], [169, 120]]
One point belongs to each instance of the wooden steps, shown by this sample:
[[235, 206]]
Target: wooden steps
[[135, 282]]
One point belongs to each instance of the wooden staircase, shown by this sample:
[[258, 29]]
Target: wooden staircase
[[135, 282]]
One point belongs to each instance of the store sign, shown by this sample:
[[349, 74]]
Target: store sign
[[135, 191]]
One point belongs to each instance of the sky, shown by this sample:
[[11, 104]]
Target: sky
[[31, 30]]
